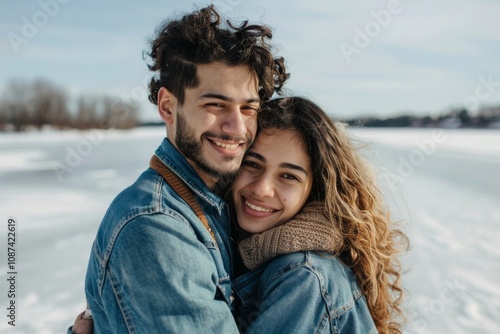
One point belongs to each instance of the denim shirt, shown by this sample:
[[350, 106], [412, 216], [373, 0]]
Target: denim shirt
[[302, 292], [154, 267]]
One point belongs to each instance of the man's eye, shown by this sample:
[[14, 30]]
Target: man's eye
[[250, 110], [290, 177], [215, 105]]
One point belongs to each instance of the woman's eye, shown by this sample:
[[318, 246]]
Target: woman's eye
[[251, 164]]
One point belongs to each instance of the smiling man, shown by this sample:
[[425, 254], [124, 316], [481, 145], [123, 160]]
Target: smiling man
[[161, 261], [222, 113]]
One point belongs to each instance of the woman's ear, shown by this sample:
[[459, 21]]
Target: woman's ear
[[166, 105]]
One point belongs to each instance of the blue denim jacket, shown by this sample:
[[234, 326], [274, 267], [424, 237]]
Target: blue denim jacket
[[154, 268], [302, 292]]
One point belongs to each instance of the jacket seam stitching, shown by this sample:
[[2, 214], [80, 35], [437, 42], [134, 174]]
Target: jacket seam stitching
[[126, 318]]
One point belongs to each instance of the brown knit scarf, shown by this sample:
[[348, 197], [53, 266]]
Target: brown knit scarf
[[309, 230]]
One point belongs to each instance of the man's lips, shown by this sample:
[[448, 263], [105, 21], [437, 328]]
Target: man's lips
[[226, 145]]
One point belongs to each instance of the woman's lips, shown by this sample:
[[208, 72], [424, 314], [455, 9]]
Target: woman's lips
[[255, 209]]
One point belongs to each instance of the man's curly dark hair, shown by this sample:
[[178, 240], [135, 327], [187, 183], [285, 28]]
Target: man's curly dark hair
[[199, 38]]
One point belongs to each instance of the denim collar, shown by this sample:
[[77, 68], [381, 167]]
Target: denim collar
[[181, 167]]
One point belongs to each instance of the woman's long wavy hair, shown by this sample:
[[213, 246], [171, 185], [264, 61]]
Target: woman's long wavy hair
[[345, 183]]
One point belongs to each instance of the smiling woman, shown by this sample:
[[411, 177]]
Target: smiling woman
[[314, 231], [275, 180]]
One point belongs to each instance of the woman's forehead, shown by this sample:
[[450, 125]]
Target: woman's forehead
[[280, 144]]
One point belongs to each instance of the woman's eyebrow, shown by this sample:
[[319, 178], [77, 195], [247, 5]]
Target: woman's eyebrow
[[282, 165], [292, 166], [256, 156]]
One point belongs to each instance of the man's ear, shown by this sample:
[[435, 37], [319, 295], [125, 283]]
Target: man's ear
[[167, 103]]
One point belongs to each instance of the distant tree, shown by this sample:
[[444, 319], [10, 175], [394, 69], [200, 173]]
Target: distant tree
[[120, 114], [3, 116], [402, 121], [86, 113], [40, 103], [490, 113], [61, 118], [48, 106], [15, 104], [463, 116]]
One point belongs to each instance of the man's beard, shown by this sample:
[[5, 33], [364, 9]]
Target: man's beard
[[188, 144]]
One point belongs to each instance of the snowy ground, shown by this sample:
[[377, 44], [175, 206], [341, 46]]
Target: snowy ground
[[444, 185]]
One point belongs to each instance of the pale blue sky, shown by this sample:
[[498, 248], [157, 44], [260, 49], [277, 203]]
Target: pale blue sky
[[423, 57]]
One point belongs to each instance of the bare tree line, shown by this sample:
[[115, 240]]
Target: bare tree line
[[28, 105]]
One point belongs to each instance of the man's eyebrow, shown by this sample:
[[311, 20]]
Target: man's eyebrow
[[225, 98], [282, 165]]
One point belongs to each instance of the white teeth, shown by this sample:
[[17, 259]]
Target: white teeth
[[229, 146], [257, 208]]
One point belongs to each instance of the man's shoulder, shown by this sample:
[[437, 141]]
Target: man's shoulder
[[141, 193], [149, 194], [148, 201]]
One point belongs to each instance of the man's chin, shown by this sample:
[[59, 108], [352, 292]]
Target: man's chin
[[222, 176]]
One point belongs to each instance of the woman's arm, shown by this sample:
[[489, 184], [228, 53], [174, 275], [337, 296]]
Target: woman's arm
[[305, 292], [290, 300]]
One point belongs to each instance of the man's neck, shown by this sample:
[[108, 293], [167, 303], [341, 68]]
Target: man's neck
[[209, 180]]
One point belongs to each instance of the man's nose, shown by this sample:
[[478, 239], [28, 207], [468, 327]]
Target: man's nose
[[235, 123]]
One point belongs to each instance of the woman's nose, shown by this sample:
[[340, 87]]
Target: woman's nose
[[263, 186]]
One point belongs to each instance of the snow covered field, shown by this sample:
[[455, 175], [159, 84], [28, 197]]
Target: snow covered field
[[444, 184]]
